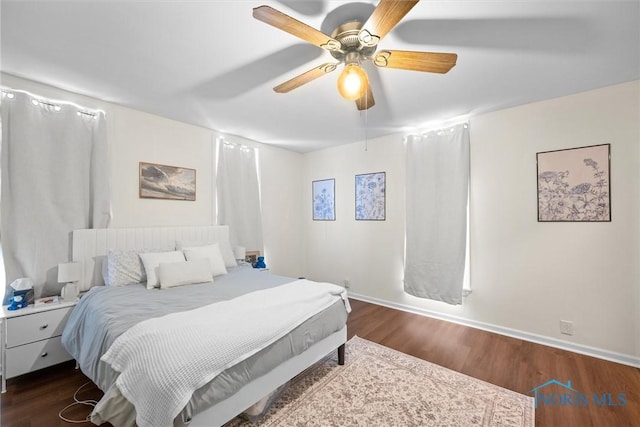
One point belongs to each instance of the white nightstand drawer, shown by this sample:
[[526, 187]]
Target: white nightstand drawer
[[36, 326], [34, 356]]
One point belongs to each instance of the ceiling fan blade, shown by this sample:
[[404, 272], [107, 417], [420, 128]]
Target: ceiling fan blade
[[385, 16], [417, 61], [366, 101], [299, 29], [305, 78]]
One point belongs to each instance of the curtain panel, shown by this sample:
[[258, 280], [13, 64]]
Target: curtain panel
[[238, 191], [54, 180], [437, 186]]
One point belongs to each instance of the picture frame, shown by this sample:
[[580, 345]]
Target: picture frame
[[251, 256], [370, 196], [574, 184], [323, 203], [165, 182]]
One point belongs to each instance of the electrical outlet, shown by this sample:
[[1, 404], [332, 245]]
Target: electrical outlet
[[566, 327], [346, 283]]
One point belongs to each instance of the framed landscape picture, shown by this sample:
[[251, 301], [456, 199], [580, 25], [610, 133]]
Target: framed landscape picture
[[252, 256], [574, 184], [371, 196], [167, 182], [324, 200]]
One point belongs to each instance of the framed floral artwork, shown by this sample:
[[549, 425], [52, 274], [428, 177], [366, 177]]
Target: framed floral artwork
[[371, 196], [574, 184], [324, 199]]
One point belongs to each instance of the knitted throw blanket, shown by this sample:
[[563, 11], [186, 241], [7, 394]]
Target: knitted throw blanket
[[163, 361]]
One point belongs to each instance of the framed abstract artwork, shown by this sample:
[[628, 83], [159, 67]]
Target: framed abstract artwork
[[167, 182], [324, 199], [574, 184], [371, 196]]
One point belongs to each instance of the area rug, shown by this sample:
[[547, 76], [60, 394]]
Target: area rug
[[379, 386]]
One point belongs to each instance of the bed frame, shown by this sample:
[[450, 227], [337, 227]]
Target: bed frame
[[229, 408], [90, 248]]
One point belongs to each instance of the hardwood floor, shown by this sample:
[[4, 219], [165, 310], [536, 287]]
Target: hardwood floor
[[34, 400], [508, 362]]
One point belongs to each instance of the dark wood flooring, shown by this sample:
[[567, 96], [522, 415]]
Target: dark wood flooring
[[507, 362], [34, 400]]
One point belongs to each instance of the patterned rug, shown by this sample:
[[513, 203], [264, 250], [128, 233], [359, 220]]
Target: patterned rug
[[379, 386]]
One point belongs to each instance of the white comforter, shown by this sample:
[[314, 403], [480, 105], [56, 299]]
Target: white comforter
[[162, 361]]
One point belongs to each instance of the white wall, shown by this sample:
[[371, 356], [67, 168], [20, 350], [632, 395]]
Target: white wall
[[367, 253], [540, 273], [525, 275], [134, 136]]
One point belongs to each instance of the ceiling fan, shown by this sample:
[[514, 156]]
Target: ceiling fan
[[352, 43]]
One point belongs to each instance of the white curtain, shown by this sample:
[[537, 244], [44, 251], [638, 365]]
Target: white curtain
[[239, 194], [54, 180], [437, 167]]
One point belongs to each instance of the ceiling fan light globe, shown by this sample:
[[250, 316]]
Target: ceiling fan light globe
[[352, 82]]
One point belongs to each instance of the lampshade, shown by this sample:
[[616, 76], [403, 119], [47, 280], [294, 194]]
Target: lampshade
[[69, 272], [353, 82], [239, 252]]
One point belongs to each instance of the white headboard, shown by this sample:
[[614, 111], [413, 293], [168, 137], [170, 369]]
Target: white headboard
[[90, 246]]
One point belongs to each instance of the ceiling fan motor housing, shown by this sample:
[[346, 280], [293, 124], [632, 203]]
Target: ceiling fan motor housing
[[352, 49]]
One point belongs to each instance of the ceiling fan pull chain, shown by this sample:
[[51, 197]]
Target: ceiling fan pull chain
[[366, 117]]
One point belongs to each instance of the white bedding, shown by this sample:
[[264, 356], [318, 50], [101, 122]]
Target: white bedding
[[161, 363]]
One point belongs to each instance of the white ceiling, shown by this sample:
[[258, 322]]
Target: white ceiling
[[210, 63]]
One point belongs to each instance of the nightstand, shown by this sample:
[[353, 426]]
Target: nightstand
[[31, 338]]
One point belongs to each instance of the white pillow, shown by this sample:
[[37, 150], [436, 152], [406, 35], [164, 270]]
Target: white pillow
[[184, 273], [151, 261], [210, 253], [227, 253], [225, 249]]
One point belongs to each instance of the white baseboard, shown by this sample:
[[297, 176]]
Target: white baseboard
[[612, 356]]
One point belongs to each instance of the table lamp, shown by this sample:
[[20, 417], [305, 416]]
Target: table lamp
[[69, 273], [240, 252]]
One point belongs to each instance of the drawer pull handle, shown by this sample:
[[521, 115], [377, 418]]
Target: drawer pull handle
[[45, 326], [45, 354]]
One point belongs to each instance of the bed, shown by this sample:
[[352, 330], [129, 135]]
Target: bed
[[109, 323]]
